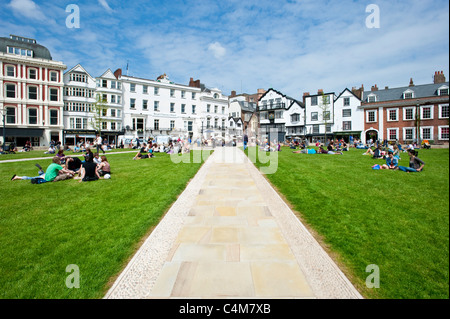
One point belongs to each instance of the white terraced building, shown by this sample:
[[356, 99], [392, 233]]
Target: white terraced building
[[161, 107]]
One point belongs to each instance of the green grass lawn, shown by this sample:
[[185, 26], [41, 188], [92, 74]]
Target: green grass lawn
[[94, 225], [398, 221]]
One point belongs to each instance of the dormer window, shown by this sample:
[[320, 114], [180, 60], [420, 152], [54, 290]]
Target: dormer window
[[443, 90], [408, 94], [372, 98]]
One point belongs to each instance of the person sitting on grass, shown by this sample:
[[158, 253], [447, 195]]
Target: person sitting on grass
[[97, 159], [61, 156], [103, 168], [88, 153], [89, 170], [73, 164], [331, 151], [415, 163], [391, 161]]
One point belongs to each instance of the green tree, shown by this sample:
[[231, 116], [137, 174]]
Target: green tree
[[99, 109]]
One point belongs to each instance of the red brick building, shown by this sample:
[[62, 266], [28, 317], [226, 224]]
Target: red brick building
[[408, 114]]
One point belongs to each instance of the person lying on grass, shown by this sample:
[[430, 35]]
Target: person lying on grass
[[415, 163], [391, 161], [55, 172]]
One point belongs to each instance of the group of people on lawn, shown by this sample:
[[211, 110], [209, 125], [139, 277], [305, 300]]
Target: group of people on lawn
[[149, 150], [92, 168], [391, 153]]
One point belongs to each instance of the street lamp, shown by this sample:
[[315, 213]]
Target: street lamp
[[4, 127]]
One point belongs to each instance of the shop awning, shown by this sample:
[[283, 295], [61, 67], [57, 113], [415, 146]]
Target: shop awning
[[23, 132]]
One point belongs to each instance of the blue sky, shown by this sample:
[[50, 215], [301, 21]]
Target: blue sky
[[293, 46]]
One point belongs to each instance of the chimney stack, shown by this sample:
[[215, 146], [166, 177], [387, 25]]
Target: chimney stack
[[305, 94], [118, 73], [233, 94], [374, 88], [195, 84], [320, 91], [411, 83], [439, 77]]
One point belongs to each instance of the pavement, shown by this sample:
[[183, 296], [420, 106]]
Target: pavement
[[230, 235]]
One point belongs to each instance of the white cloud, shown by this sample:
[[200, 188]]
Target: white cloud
[[217, 49], [28, 9], [105, 5]]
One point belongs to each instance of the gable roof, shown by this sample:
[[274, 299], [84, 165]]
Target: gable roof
[[346, 89], [108, 74], [78, 68], [283, 95]]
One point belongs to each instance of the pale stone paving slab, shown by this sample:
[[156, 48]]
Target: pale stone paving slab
[[229, 235]]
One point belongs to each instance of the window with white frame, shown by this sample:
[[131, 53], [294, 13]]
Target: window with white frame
[[264, 116], [295, 117], [314, 116], [314, 100], [32, 93], [32, 74], [346, 112], [172, 125], [113, 113], [408, 114], [328, 128], [53, 117], [371, 116], [183, 108], [113, 125], [156, 91], [104, 125], [183, 94], [408, 95], [104, 83], [53, 95], [172, 107], [427, 133], [392, 114], [145, 89], [278, 114], [427, 112], [408, 133], [10, 90], [144, 104], [193, 95], [156, 106], [172, 93], [54, 76], [347, 125], [208, 108], [346, 101], [10, 70], [316, 129], [443, 111], [372, 98], [132, 103], [193, 109], [326, 115], [392, 133], [32, 116], [132, 87], [78, 123], [443, 91], [443, 132], [113, 84], [10, 115]]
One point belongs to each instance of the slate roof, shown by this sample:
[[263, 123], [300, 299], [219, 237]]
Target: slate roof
[[39, 51], [420, 91]]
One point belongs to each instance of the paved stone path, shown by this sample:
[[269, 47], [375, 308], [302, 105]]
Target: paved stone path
[[230, 235]]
